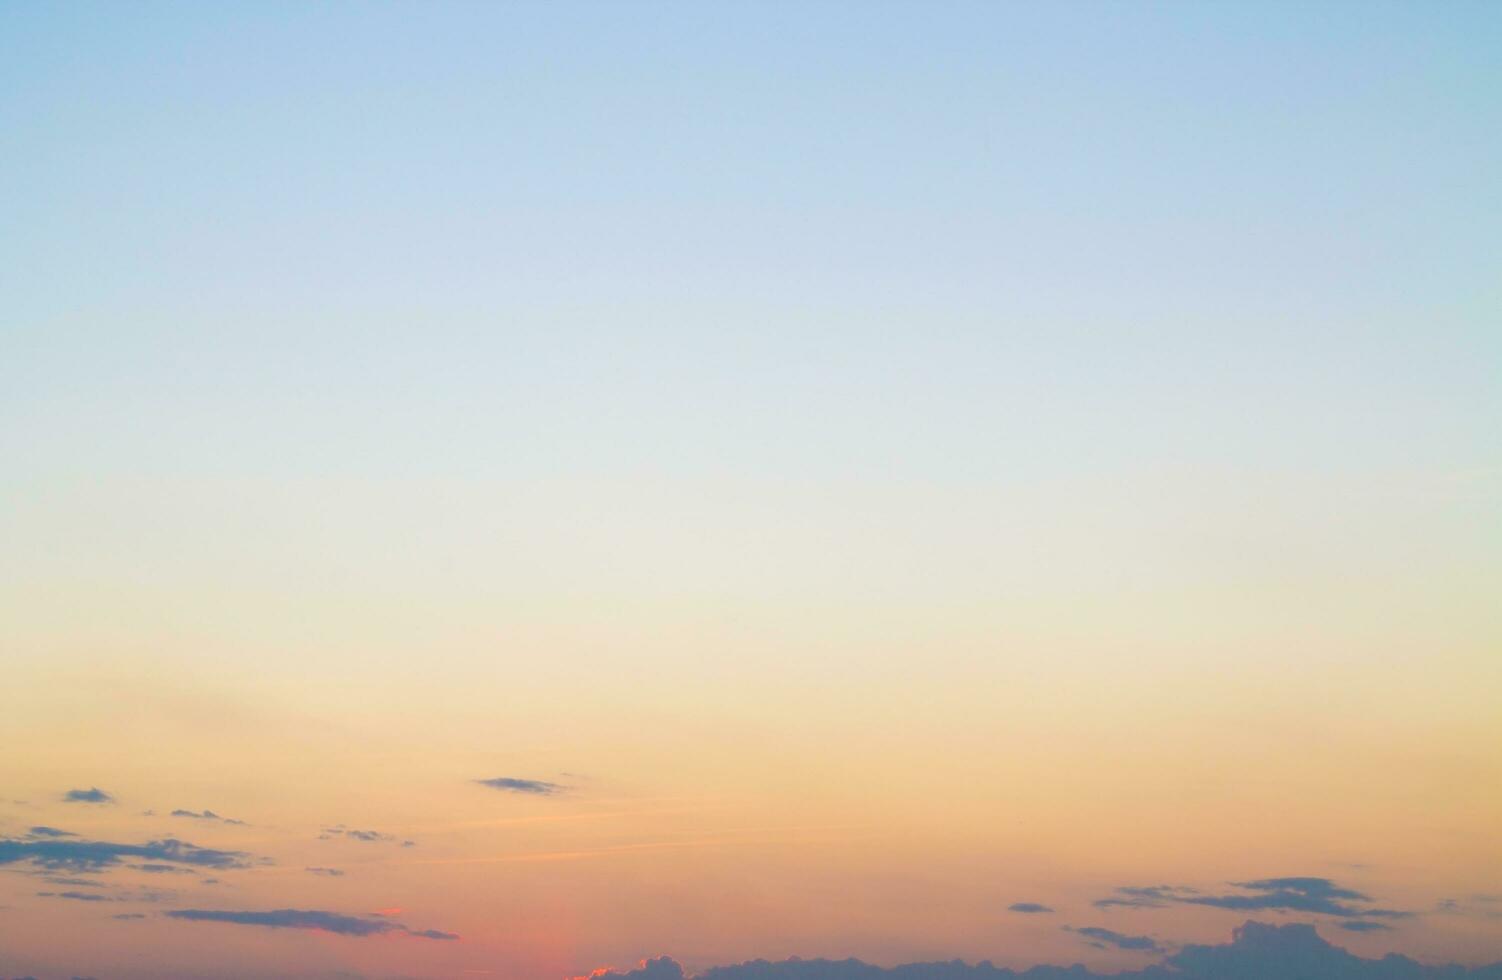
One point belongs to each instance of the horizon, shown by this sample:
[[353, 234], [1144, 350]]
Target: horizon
[[519, 489]]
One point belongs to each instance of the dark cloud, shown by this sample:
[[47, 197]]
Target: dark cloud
[[327, 872], [317, 920], [91, 795], [1319, 896], [206, 815], [1256, 952], [1028, 908], [1364, 925], [535, 787], [1102, 937], [85, 855], [49, 832], [129, 915]]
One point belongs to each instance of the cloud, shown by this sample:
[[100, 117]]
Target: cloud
[[74, 882], [1148, 897], [91, 795], [1484, 906], [163, 869], [431, 934], [85, 855], [77, 896], [129, 915], [1256, 952], [314, 919], [368, 836], [1028, 908], [206, 815], [1364, 925], [49, 832], [664, 968], [1100, 937], [327, 872], [1319, 896], [535, 787]]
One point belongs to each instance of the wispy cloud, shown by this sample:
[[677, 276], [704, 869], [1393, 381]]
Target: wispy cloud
[[71, 882], [1101, 938], [1148, 897], [163, 869], [1028, 908], [91, 795], [78, 896], [1319, 896], [206, 815], [313, 919], [49, 832], [534, 787], [367, 836], [326, 872]]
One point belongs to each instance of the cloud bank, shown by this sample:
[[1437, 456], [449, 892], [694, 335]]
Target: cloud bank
[[1257, 951]]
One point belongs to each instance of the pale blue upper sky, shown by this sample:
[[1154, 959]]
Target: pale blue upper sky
[[953, 245]]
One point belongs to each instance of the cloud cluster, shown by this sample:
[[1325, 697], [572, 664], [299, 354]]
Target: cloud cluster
[[313, 919], [367, 836], [1257, 951], [75, 855]]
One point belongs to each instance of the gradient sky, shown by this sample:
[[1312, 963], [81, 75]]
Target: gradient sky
[[875, 464]]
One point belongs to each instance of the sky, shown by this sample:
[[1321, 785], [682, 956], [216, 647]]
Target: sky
[[522, 489]]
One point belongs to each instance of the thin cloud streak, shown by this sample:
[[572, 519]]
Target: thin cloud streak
[[315, 920]]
